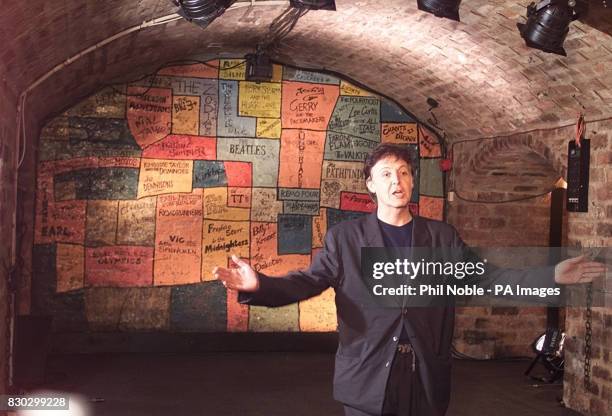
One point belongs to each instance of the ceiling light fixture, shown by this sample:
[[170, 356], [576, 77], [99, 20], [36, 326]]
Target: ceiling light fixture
[[548, 24], [202, 12], [441, 8], [258, 67], [314, 4]]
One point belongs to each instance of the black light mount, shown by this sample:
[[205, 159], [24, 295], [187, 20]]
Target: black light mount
[[258, 67], [433, 103], [314, 4], [547, 25], [549, 351], [202, 12], [441, 8]]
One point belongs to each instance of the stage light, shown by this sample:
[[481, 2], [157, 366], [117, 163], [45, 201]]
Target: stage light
[[548, 24], [441, 8], [314, 4], [258, 67], [549, 350], [202, 12]]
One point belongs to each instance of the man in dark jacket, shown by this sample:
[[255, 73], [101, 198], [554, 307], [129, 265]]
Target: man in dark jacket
[[390, 361]]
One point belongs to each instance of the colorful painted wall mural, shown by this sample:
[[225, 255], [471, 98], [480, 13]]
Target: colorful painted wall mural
[[143, 188]]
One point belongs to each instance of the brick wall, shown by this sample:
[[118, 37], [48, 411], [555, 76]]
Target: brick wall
[[593, 229], [485, 78], [7, 207], [490, 171], [479, 166], [500, 332]]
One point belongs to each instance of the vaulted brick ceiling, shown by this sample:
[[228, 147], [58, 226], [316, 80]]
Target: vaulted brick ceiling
[[486, 80]]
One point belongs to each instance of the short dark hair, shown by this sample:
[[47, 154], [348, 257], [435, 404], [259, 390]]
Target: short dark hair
[[384, 150]]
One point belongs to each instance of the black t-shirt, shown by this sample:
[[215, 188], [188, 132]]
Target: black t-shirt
[[395, 236]]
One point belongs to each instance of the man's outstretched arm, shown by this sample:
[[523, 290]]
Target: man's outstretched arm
[[258, 289], [578, 270]]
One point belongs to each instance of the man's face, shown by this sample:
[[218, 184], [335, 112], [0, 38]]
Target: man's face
[[391, 180]]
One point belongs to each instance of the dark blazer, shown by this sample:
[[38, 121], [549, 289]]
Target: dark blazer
[[368, 333]]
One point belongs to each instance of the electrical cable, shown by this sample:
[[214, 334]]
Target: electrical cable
[[145, 24], [281, 26], [155, 74], [580, 129], [22, 131], [534, 130]]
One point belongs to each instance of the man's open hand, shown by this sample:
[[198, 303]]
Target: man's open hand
[[242, 278], [578, 270]]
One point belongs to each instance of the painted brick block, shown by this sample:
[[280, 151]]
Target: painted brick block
[[200, 307]]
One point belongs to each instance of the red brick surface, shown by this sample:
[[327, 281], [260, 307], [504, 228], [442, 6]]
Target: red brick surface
[[480, 71], [493, 170], [8, 153]]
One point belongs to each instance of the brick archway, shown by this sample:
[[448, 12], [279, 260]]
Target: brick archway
[[506, 167]]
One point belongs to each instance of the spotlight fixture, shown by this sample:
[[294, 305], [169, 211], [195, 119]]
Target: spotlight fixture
[[202, 12], [441, 8], [258, 67], [433, 103], [314, 4], [548, 24], [549, 350]]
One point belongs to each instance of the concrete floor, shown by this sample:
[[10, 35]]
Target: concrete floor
[[271, 384]]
